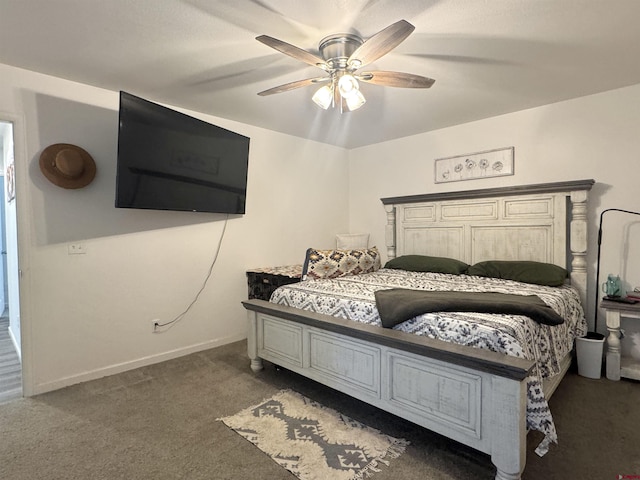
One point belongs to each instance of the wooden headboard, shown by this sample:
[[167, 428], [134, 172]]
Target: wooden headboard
[[543, 222]]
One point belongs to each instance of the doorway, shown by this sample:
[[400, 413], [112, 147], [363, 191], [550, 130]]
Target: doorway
[[10, 335]]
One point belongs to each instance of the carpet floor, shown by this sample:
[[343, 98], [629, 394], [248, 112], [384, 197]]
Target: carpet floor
[[159, 422]]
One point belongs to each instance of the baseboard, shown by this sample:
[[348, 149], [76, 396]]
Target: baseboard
[[16, 345], [126, 366]]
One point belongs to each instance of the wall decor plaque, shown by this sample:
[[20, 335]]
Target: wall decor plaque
[[490, 163]]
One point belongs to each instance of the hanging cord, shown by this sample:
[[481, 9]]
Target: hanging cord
[[173, 322]]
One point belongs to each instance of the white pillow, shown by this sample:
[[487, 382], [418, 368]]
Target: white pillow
[[352, 241]]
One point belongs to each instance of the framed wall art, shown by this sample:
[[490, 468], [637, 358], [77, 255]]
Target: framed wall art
[[10, 180], [490, 163]]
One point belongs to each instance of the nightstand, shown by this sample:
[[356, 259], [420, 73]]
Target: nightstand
[[618, 366], [263, 281]]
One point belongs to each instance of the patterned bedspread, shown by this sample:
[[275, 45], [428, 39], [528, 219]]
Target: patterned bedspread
[[353, 298]]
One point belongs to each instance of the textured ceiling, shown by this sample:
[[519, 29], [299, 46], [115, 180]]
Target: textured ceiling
[[488, 57]]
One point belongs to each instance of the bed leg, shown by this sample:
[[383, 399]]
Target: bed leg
[[252, 341], [508, 433], [507, 476], [256, 365]]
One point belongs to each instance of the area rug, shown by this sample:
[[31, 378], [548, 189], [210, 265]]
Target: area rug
[[312, 441]]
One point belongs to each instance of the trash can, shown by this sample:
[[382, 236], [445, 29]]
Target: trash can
[[589, 350]]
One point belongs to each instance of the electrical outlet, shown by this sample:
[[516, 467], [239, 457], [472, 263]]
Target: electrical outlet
[[155, 325], [76, 249]]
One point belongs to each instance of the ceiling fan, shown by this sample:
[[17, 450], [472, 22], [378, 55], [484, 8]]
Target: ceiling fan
[[343, 55]]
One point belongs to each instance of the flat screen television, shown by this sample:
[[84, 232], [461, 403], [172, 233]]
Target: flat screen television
[[170, 161]]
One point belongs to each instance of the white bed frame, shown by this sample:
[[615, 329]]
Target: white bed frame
[[473, 396]]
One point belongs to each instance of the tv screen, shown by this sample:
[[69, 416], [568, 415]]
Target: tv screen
[[170, 161]]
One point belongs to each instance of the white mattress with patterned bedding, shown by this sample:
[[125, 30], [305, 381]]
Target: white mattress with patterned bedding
[[352, 297]]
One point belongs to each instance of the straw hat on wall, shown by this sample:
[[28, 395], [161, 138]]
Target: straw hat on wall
[[67, 166]]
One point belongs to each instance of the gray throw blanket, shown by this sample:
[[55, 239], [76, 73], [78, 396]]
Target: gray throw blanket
[[400, 304]]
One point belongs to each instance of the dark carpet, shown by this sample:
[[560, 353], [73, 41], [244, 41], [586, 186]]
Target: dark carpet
[[159, 422]]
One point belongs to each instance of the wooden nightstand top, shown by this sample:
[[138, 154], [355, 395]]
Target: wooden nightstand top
[[629, 308]]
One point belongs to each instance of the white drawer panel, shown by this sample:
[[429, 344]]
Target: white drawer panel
[[280, 341], [419, 213], [538, 208], [446, 396], [510, 243], [351, 362], [437, 242], [469, 211]]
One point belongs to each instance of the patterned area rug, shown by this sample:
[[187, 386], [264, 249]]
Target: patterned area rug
[[312, 441]]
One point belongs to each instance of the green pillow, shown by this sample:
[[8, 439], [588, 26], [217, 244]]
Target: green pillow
[[424, 263], [521, 271]]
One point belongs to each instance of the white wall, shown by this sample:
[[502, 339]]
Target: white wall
[[590, 137], [85, 316], [88, 315]]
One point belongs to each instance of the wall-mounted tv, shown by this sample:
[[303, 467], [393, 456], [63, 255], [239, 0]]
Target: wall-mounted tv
[[170, 161]]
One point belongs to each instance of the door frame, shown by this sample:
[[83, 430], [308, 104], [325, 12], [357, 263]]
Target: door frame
[[23, 229]]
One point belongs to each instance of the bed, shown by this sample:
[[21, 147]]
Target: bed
[[482, 398]]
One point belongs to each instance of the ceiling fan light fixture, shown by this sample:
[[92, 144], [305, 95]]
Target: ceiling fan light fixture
[[348, 86], [341, 56], [355, 100], [323, 97]]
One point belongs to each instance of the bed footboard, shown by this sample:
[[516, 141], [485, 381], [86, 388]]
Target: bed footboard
[[470, 395]]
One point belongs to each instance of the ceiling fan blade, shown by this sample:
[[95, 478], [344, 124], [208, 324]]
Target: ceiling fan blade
[[293, 85], [293, 51], [380, 44], [396, 79]]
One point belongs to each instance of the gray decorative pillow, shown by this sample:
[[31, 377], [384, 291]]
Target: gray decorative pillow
[[424, 263], [339, 263], [538, 273]]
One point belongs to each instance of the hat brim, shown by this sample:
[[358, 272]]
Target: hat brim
[[47, 166]]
